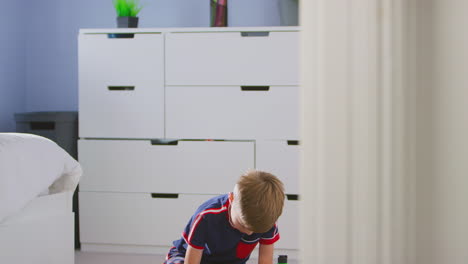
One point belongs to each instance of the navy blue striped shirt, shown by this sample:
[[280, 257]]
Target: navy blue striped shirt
[[210, 229]]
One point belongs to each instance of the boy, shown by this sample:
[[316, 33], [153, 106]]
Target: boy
[[226, 228]]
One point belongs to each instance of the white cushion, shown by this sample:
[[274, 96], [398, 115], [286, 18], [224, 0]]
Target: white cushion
[[29, 164]]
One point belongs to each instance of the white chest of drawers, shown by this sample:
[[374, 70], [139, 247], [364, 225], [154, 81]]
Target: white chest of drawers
[[171, 117]]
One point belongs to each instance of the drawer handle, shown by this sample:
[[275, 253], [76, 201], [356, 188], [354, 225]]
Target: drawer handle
[[121, 88], [255, 34], [255, 88], [121, 36], [164, 142], [293, 142], [292, 197], [165, 195], [42, 125]]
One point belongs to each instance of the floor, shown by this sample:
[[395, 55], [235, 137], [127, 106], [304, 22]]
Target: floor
[[117, 258]]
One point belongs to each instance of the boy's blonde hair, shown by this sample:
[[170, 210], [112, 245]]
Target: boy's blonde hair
[[261, 198]]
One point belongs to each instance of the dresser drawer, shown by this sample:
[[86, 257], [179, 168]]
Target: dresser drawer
[[232, 58], [134, 219], [288, 225], [281, 158], [210, 167], [232, 112], [121, 88]]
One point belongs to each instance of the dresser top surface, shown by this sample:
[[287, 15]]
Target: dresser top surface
[[187, 30]]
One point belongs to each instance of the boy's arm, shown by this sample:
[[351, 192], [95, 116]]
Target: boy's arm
[[265, 254], [193, 255]]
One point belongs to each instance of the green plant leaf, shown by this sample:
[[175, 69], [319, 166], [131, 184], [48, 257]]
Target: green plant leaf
[[129, 8]]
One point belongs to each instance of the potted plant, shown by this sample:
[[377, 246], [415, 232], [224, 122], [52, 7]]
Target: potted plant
[[127, 11]]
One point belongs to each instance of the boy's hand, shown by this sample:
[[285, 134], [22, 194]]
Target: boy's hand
[[265, 254], [193, 255]]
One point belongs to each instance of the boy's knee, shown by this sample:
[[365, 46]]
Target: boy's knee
[[174, 260]]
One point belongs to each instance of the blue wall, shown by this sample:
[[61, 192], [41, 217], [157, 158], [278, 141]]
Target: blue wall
[[38, 59], [12, 62]]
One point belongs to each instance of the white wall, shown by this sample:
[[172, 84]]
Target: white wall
[[425, 248], [349, 200], [444, 175], [419, 213]]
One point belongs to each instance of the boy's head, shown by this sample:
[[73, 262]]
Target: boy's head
[[257, 201]]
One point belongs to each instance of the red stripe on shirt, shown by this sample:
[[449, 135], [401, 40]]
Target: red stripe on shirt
[[198, 220], [271, 240]]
